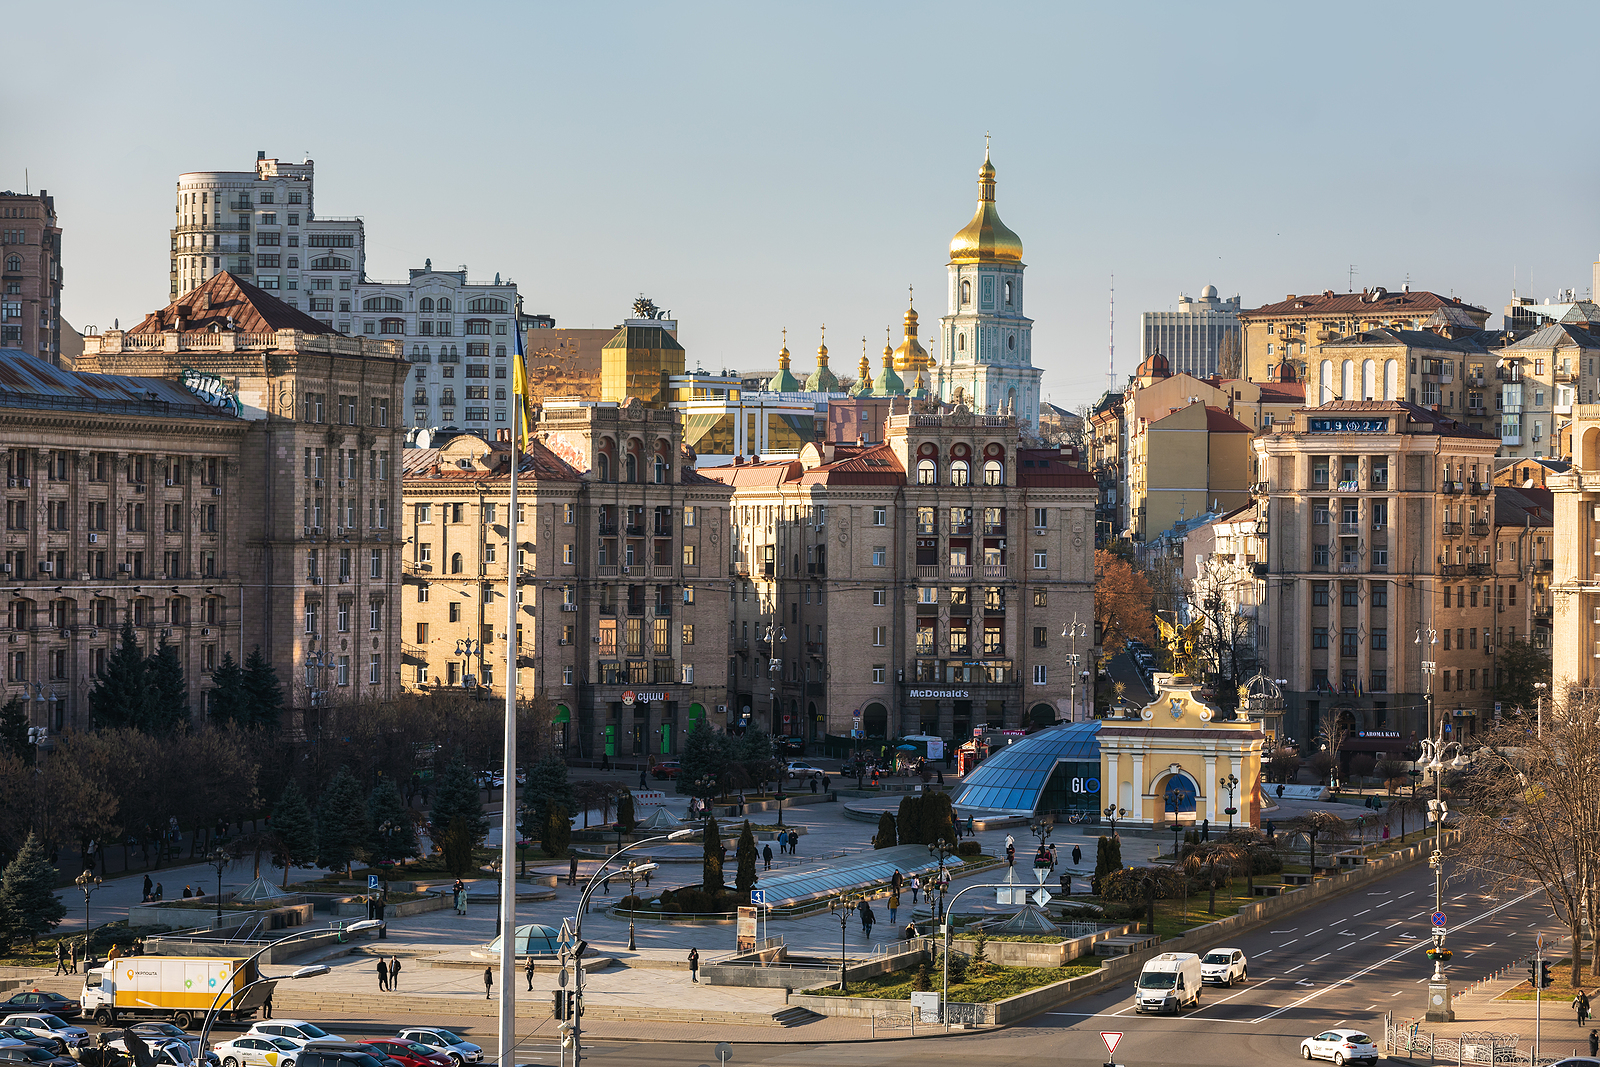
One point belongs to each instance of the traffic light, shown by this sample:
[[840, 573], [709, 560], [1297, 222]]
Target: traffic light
[[558, 1010], [1533, 975], [1544, 974]]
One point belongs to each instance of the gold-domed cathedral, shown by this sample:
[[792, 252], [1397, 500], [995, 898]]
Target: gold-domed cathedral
[[911, 360], [986, 342]]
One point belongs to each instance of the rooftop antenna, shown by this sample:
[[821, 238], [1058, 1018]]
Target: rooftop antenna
[[1350, 285], [1111, 341]]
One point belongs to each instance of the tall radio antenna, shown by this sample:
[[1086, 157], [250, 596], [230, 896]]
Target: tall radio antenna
[[1111, 341]]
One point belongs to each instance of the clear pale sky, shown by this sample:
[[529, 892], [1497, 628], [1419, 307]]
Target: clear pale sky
[[754, 166]]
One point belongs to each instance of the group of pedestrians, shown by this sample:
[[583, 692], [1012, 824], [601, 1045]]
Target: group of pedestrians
[[458, 893], [388, 973]]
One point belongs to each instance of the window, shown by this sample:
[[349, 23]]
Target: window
[[880, 597], [1319, 637], [994, 473], [880, 516], [375, 564], [1040, 637], [1380, 637], [1379, 597], [960, 473], [1319, 594], [688, 555], [927, 472], [1041, 598], [880, 636], [1039, 674], [566, 555], [688, 516], [878, 672], [1041, 560], [880, 556], [927, 594], [1347, 595], [1319, 555], [1041, 518], [1348, 642]]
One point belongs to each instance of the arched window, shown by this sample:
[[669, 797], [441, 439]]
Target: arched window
[[1008, 293], [455, 563], [994, 473], [927, 472], [604, 467], [444, 303], [1369, 380], [966, 292], [960, 472], [633, 468], [14, 263], [1391, 379], [661, 471], [382, 303], [425, 350], [425, 304], [487, 303], [330, 263], [961, 342]]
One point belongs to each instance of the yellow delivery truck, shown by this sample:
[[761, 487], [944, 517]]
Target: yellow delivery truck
[[180, 989]]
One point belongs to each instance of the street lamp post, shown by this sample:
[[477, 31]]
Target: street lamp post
[[87, 881], [220, 860], [940, 848], [1073, 631], [844, 906], [1541, 687], [1435, 750], [1113, 813], [1230, 783], [633, 871], [1175, 797]]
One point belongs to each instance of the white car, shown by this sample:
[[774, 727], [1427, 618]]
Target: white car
[[257, 1051], [47, 1025], [1224, 966], [460, 1050], [803, 770], [1340, 1046], [297, 1031]]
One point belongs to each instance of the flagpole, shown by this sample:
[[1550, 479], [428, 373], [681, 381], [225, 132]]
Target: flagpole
[[508, 804]]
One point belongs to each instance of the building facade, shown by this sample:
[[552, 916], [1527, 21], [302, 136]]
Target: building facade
[[1193, 460], [1379, 526], [314, 484], [1193, 337], [262, 226], [923, 585], [459, 337], [986, 341], [1524, 560], [30, 253], [1575, 578]]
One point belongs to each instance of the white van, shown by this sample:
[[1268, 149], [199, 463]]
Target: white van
[[1169, 983]]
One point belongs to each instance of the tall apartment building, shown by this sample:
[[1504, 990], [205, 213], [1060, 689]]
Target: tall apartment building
[[1575, 577], [30, 247], [1539, 379], [1379, 527], [1193, 337], [921, 585], [1524, 560], [311, 488], [1291, 328], [1192, 460], [262, 226], [459, 337]]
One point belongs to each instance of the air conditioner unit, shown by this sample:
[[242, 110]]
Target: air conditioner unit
[[94, 539], [205, 631], [125, 568], [170, 482], [139, 488], [11, 639], [316, 531], [83, 577], [47, 568], [319, 483], [627, 570], [65, 634], [341, 483], [343, 578], [5, 568], [11, 483], [166, 631], [27, 483], [94, 633], [216, 490]]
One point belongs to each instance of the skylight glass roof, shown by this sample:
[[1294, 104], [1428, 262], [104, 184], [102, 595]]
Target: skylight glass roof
[[1011, 780], [855, 872]]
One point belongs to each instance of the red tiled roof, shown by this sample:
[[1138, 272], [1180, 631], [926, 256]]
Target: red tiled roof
[[1047, 467], [876, 465], [1219, 421], [252, 310], [1361, 304], [1283, 392], [746, 475], [539, 461]]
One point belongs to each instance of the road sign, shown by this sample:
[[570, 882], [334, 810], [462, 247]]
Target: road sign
[[1438, 918], [372, 881], [724, 1052], [758, 897], [1042, 897], [1110, 1038]]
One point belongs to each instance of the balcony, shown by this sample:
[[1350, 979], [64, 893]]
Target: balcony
[[1349, 568], [1513, 440], [1542, 613], [961, 529], [1349, 485], [994, 529], [1349, 529], [1480, 488], [606, 571], [608, 529], [993, 570], [1380, 481], [961, 610], [927, 571], [1451, 570], [1479, 570], [1450, 487], [1479, 529], [960, 571], [1476, 409], [1473, 380], [635, 529], [1450, 529], [663, 531], [1566, 374], [1544, 565]]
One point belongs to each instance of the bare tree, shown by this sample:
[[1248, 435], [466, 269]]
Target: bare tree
[[1225, 646], [1311, 826]]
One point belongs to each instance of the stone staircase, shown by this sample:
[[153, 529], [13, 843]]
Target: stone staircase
[[293, 1003]]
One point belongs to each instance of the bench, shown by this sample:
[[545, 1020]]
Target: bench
[[1351, 859], [1296, 879], [1264, 890], [1124, 944]]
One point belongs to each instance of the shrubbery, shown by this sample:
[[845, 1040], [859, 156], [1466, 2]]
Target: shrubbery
[[969, 848]]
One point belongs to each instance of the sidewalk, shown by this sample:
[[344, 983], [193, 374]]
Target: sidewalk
[[1478, 1010]]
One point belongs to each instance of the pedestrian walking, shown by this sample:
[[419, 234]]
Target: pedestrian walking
[[783, 842], [916, 887], [572, 870], [1594, 1042], [394, 973], [605, 761], [897, 880], [605, 884], [61, 957], [1581, 1002], [147, 886], [641, 778], [528, 970], [794, 841], [894, 906], [940, 774], [766, 854], [813, 785], [970, 824], [383, 974], [694, 965], [1280, 790], [867, 918], [266, 1007], [1386, 831], [488, 981], [74, 951], [827, 784], [1077, 855]]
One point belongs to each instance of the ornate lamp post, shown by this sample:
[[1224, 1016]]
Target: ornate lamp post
[[220, 860], [633, 871], [1074, 631], [1230, 783], [843, 907], [1175, 797], [941, 849], [1435, 753], [87, 882], [1113, 813]]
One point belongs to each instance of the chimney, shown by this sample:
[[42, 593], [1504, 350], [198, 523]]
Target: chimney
[[261, 155], [205, 301], [182, 321]]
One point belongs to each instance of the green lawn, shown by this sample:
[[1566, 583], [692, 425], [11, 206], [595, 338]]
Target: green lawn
[[998, 983]]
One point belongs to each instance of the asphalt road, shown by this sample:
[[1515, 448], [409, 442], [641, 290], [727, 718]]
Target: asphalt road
[[1344, 963]]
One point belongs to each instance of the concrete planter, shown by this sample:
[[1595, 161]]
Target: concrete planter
[[1039, 953], [192, 918], [771, 969], [354, 909]]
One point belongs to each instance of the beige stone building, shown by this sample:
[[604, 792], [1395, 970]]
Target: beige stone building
[[1192, 460], [918, 586], [273, 526], [1575, 579], [1524, 560], [30, 255], [622, 582], [1379, 567]]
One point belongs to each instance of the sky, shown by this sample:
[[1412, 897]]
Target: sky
[[757, 166]]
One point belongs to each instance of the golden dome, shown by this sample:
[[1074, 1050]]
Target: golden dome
[[911, 356], [986, 239]]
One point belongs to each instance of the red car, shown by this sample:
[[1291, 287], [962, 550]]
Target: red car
[[409, 1053], [665, 769]]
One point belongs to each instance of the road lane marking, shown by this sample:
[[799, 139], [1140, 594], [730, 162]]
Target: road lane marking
[[1224, 1000], [1393, 925], [1324, 956], [1397, 992], [1374, 933], [1291, 930], [1403, 896], [1296, 967], [1347, 946], [1358, 914], [1318, 930], [1291, 941], [1381, 903]]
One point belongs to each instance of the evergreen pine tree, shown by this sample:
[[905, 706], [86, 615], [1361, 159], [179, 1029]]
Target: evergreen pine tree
[[264, 694], [547, 786], [294, 830], [938, 819], [391, 835], [557, 835], [753, 751], [711, 868], [456, 797], [166, 692], [228, 701], [14, 728], [885, 837], [118, 698], [1114, 852], [908, 822], [625, 816], [703, 766], [341, 822], [28, 903], [1102, 863], [744, 878]]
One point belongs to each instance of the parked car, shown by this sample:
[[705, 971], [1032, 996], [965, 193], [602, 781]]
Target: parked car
[[34, 1056], [665, 769], [802, 770], [459, 1049], [38, 1000], [257, 1051], [155, 1030], [410, 1053], [48, 1025], [1224, 966], [299, 1031], [28, 1037], [1340, 1046]]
